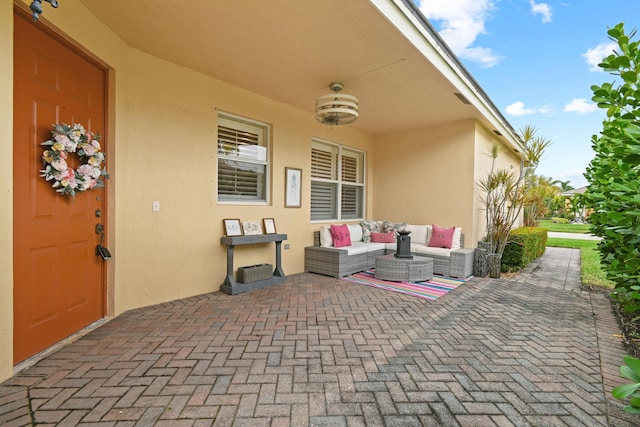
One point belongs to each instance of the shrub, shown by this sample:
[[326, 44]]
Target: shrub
[[525, 244], [631, 371], [560, 220], [613, 173]]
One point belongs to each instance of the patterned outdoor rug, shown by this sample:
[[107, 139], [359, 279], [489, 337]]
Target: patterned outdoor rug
[[431, 289]]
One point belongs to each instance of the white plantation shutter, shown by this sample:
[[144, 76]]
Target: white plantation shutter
[[351, 207], [324, 161], [351, 200], [349, 169], [336, 195], [323, 201], [242, 160]]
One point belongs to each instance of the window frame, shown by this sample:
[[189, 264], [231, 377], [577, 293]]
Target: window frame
[[237, 123], [338, 180]]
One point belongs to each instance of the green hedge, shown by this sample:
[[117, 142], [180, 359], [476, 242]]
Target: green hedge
[[525, 244]]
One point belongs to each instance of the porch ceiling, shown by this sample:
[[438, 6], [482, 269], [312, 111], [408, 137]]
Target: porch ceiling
[[290, 50]]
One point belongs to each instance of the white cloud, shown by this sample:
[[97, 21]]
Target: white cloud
[[542, 9], [595, 55], [461, 23], [580, 105], [518, 109]]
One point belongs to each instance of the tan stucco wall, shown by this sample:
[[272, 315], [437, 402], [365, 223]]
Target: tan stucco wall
[[169, 154], [430, 176], [161, 136], [6, 188], [507, 159], [426, 176]]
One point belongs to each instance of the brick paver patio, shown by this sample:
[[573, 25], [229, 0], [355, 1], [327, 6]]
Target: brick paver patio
[[533, 350]]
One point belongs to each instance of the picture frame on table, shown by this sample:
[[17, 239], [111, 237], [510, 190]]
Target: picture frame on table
[[251, 228], [293, 188], [269, 225], [232, 227]]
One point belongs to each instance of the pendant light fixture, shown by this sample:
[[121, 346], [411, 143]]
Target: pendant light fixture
[[336, 108]]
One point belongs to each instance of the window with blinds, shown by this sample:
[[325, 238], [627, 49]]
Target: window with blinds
[[242, 160], [337, 182]]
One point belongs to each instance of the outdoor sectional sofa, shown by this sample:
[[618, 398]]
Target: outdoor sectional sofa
[[324, 258]]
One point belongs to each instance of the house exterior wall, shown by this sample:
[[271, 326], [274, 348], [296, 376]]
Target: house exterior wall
[[425, 176], [507, 159], [168, 153], [430, 176], [161, 135], [6, 189]]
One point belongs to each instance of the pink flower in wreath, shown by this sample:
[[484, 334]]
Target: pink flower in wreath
[[88, 171], [85, 184], [62, 138], [63, 154], [69, 179], [89, 150], [69, 174]]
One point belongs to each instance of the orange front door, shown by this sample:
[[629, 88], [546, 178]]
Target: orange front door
[[59, 282]]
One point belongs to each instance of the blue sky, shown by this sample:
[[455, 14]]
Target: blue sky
[[537, 61]]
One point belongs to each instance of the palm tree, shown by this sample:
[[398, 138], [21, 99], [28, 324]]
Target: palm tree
[[539, 196], [564, 186], [505, 190]]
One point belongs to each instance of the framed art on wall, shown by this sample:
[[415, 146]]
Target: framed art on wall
[[232, 227], [269, 225], [293, 187], [251, 228]]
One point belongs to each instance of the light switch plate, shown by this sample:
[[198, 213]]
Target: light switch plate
[[155, 206]]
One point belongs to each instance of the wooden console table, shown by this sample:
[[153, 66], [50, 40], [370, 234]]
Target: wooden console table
[[230, 285]]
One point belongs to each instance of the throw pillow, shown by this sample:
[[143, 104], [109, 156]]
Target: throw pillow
[[383, 237], [326, 240], [355, 230], [441, 237], [341, 236], [457, 236], [369, 226], [418, 233], [392, 226]]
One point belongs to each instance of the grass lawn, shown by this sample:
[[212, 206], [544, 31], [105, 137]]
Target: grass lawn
[[590, 271], [565, 228]]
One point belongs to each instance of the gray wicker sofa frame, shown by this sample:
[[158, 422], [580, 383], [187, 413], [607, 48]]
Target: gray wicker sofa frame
[[337, 263]]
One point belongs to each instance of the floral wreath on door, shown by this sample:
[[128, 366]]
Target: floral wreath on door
[[73, 140]]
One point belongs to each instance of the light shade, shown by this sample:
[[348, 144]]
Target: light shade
[[336, 108]]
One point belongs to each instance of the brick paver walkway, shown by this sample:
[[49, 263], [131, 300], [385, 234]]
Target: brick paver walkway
[[530, 351]]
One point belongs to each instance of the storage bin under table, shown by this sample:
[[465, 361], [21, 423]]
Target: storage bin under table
[[418, 268]]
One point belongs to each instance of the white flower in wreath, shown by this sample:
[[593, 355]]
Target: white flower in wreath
[[67, 139], [60, 165]]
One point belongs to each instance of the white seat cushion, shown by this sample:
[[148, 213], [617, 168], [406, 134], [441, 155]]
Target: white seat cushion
[[371, 247], [356, 248], [426, 250]]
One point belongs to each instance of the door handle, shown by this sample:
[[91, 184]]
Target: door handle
[[101, 251]]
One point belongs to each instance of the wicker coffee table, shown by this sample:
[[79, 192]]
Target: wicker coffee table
[[415, 269]]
